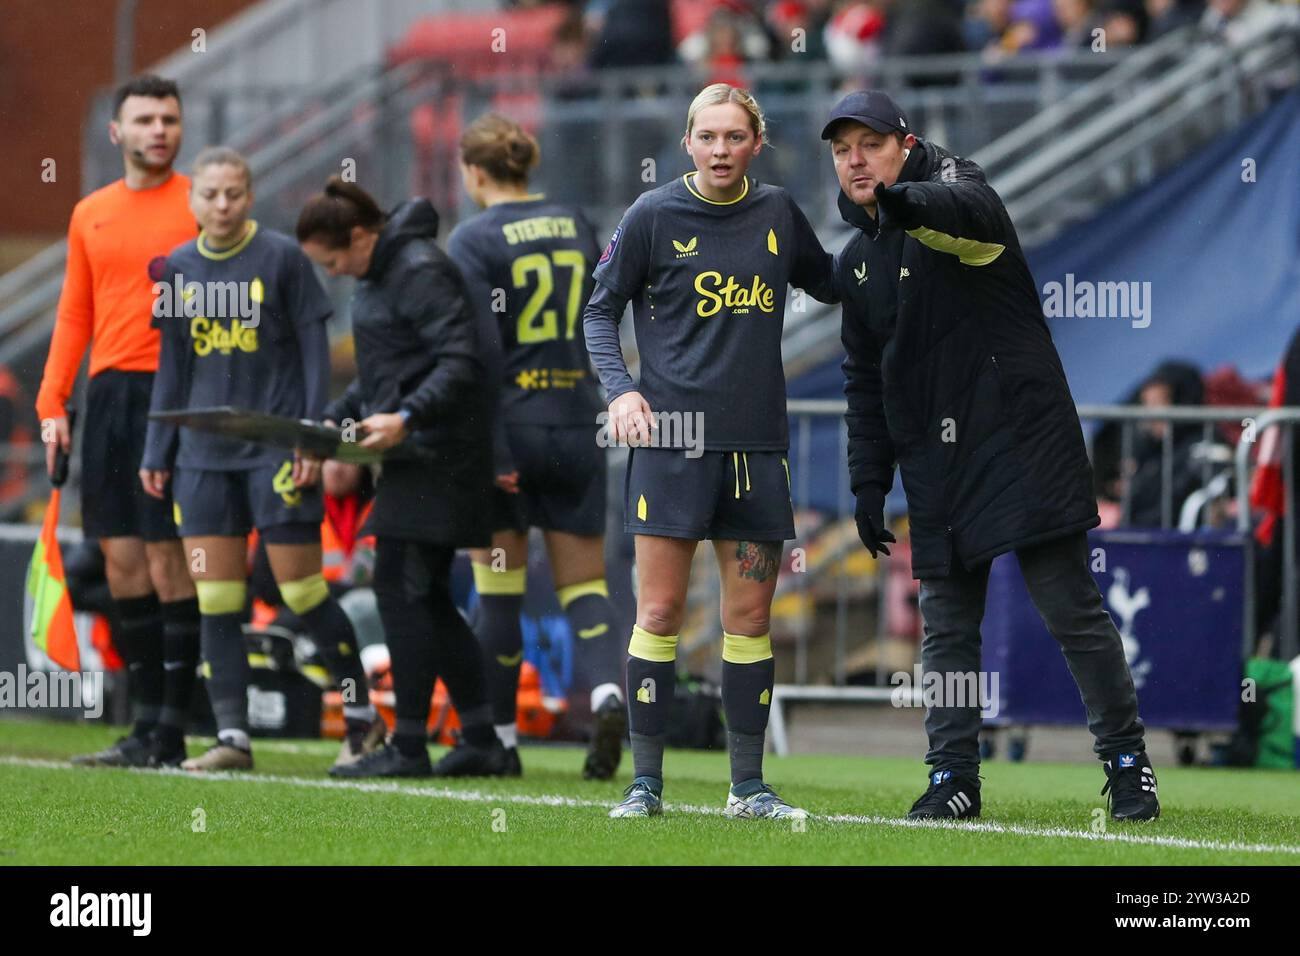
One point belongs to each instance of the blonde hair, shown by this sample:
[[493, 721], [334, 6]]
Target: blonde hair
[[725, 93], [501, 147], [222, 156]]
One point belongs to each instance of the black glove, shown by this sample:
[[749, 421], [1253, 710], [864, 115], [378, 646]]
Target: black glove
[[870, 516], [900, 205]]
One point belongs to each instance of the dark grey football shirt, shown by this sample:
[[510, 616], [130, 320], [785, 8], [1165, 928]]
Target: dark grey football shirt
[[707, 282], [527, 268], [280, 365]]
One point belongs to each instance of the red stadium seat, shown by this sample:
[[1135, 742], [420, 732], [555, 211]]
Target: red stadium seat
[[465, 41]]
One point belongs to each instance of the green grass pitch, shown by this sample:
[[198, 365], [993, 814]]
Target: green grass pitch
[[289, 812]]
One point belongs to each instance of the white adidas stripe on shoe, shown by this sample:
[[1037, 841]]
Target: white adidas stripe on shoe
[[959, 803]]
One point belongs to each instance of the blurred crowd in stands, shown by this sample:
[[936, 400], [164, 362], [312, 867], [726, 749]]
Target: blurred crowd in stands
[[721, 37], [1166, 463]]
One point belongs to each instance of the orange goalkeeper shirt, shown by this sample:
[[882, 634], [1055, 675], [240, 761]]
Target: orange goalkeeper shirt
[[117, 242]]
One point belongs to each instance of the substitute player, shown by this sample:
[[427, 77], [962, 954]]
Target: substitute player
[[422, 397], [549, 472], [705, 261], [117, 241], [255, 340]]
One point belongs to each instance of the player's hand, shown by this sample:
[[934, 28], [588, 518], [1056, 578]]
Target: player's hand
[[62, 438], [306, 469], [383, 431], [870, 517], [509, 482], [901, 205], [631, 420], [155, 482]]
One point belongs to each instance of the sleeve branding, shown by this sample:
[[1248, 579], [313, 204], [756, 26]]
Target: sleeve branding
[[613, 241]]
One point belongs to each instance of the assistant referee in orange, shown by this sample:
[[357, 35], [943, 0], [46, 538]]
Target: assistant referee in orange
[[118, 239]]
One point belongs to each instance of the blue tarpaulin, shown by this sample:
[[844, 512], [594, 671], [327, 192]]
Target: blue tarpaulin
[[1222, 257]]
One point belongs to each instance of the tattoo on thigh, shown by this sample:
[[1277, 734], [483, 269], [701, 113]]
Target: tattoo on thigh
[[758, 559]]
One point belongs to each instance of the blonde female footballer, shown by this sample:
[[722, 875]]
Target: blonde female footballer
[[705, 261]]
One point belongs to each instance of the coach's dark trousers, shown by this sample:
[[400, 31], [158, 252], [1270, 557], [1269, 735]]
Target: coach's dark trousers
[[1067, 599]]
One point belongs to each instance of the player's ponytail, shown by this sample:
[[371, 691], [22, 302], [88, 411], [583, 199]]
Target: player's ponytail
[[330, 216], [501, 147]]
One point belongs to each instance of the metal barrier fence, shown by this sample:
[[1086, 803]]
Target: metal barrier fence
[[818, 453], [1284, 420], [1224, 476], [1219, 470]]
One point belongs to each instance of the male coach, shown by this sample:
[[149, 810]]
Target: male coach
[[118, 240], [950, 371]]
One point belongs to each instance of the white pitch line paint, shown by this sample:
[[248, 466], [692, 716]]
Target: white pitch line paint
[[1181, 843], [555, 800]]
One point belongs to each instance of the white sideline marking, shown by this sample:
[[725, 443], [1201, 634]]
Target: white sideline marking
[[555, 800]]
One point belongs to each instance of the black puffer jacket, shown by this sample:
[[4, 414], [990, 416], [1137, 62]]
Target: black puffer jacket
[[960, 383], [415, 337], [417, 348]]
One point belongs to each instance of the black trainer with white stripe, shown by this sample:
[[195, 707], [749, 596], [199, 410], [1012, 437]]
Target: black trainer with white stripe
[[952, 795], [1131, 787]]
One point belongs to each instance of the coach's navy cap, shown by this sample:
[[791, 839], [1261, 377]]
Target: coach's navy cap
[[870, 107]]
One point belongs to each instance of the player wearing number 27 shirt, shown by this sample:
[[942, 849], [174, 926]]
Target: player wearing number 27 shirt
[[527, 264]]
